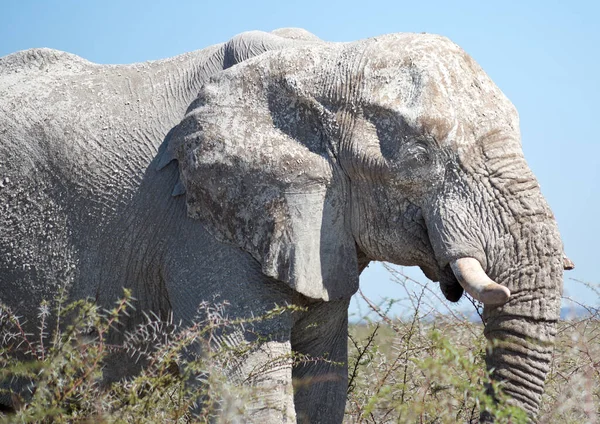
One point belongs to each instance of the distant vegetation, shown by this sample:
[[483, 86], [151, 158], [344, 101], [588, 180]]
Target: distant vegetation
[[427, 367], [430, 368]]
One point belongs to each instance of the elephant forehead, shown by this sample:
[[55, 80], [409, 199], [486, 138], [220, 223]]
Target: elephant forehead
[[436, 87]]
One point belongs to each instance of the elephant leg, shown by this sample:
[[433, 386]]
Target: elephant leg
[[256, 364], [267, 372], [321, 384], [203, 270]]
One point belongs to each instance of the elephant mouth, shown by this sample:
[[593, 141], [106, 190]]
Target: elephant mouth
[[449, 284], [467, 274]]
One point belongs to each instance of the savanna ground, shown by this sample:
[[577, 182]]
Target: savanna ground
[[425, 367]]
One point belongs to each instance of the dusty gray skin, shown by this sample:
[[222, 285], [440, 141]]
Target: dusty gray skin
[[289, 173]]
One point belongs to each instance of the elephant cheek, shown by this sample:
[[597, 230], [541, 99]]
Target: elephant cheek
[[430, 273]]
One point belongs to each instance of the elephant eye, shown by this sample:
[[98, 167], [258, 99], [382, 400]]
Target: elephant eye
[[419, 154]]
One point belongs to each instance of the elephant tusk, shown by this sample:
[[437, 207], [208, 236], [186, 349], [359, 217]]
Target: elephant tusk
[[474, 280], [568, 264]]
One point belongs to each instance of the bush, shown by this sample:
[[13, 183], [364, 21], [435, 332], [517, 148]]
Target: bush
[[429, 367], [572, 392], [181, 366], [425, 367]]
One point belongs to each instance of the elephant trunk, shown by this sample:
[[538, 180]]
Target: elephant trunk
[[522, 331], [520, 359], [499, 218], [526, 256]]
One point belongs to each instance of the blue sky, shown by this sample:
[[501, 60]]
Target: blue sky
[[544, 55]]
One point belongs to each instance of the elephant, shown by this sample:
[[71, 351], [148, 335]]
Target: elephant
[[271, 170]]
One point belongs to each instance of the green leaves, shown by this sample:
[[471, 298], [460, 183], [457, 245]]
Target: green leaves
[[422, 372], [61, 374]]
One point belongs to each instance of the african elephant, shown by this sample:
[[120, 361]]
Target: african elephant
[[296, 163]]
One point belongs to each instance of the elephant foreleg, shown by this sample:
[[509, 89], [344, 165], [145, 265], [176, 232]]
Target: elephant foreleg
[[267, 371], [321, 379]]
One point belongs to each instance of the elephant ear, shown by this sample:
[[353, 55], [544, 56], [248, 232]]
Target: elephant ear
[[254, 154]]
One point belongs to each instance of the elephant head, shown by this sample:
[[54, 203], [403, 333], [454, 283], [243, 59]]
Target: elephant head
[[397, 148]]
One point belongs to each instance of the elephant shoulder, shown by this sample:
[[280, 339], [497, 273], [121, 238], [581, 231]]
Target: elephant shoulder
[[296, 34], [253, 43], [39, 60], [28, 77]]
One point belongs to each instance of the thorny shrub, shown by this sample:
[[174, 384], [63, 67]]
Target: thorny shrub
[[429, 367], [424, 367], [61, 372]]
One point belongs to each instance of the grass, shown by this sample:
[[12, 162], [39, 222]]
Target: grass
[[426, 367]]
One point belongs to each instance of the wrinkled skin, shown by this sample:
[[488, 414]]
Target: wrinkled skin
[[296, 163]]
